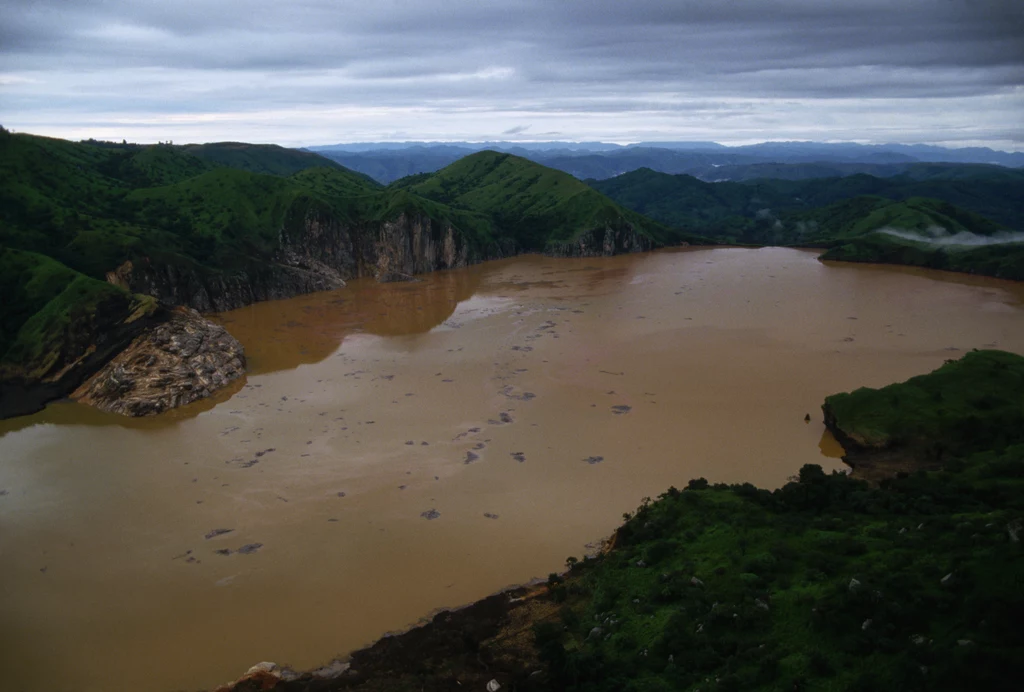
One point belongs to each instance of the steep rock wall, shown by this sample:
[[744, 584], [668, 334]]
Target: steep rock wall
[[318, 254], [602, 241]]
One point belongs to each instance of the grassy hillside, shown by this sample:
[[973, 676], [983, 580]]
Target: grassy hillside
[[748, 211], [94, 206], [535, 205], [268, 159], [52, 313], [859, 216], [1003, 261], [966, 406]]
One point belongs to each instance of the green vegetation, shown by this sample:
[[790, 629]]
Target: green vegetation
[[825, 583], [268, 159], [787, 212], [842, 214], [1004, 261], [966, 406], [50, 313], [536, 206]]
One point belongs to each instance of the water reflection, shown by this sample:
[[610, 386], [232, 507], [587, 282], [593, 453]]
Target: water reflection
[[284, 334]]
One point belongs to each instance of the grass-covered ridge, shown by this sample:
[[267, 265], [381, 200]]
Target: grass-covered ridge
[[538, 207], [966, 406], [52, 314], [684, 201], [1003, 260], [824, 584]]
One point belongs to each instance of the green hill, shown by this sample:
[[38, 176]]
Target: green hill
[[535, 206], [194, 226], [747, 211], [1003, 261], [268, 159]]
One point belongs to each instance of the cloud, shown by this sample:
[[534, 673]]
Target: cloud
[[518, 129], [918, 70]]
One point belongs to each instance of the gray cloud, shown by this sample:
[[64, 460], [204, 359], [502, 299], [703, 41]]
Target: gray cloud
[[923, 70]]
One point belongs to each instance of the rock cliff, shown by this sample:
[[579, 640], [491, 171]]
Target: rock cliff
[[318, 253], [90, 339], [184, 359], [602, 241]]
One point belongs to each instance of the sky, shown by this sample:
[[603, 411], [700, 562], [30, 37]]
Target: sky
[[305, 72]]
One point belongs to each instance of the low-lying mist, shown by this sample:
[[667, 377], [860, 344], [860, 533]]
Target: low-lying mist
[[936, 235]]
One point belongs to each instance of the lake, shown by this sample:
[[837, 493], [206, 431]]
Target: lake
[[398, 448]]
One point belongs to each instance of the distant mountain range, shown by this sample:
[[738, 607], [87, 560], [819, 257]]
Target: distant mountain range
[[708, 161]]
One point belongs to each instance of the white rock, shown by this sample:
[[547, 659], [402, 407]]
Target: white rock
[[264, 667], [854, 584], [493, 686]]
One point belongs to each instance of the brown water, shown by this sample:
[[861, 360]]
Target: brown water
[[718, 353]]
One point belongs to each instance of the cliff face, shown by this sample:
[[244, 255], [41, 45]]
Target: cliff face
[[602, 241], [89, 340], [875, 459], [412, 245], [184, 359], [318, 254]]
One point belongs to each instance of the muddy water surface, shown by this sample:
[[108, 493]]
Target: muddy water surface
[[398, 448]]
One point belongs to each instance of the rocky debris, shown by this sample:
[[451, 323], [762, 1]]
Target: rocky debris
[[471, 457], [509, 392], [180, 361], [217, 532], [430, 514], [262, 676], [246, 549], [518, 456], [621, 408], [489, 515], [89, 341], [594, 460]]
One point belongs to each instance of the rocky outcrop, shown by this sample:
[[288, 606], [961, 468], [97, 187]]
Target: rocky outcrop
[[875, 459], [92, 336], [182, 360], [316, 253], [485, 645], [413, 244], [602, 241]]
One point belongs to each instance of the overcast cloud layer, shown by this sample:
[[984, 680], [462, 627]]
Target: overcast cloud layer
[[322, 71]]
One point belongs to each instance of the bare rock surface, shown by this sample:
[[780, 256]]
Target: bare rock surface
[[182, 360]]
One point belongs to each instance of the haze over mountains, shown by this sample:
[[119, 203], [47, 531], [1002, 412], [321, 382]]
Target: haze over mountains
[[709, 161]]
